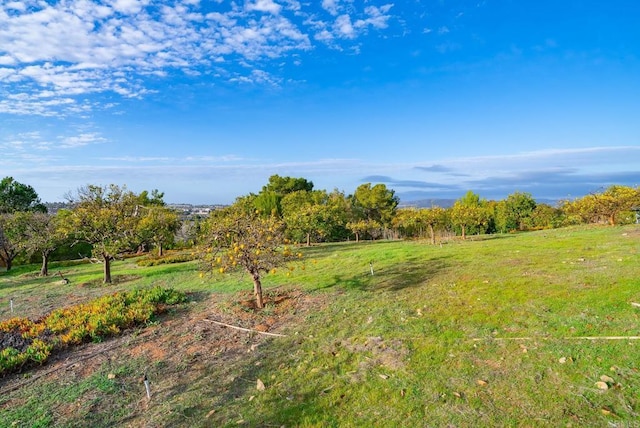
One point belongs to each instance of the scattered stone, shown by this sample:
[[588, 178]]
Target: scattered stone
[[260, 385], [602, 385], [608, 380]]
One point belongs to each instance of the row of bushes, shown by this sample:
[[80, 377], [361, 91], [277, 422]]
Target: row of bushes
[[24, 342], [168, 259]]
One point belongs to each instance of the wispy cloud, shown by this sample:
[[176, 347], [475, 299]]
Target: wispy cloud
[[53, 55], [38, 145]]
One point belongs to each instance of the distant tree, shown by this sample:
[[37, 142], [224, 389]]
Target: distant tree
[[375, 205], [608, 206], [268, 201], [106, 218], [433, 217], [238, 238], [515, 212], [469, 212], [364, 227], [159, 225], [286, 185], [545, 216], [306, 215], [338, 214], [156, 199], [614, 201], [12, 238], [15, 196], [408, 222], [42, 235]]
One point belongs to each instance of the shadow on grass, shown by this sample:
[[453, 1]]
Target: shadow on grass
[[412, 273]]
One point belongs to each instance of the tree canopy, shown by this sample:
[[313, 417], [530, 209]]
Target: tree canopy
[[15, 196]]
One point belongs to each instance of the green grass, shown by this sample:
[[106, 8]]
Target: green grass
[[475, 333]]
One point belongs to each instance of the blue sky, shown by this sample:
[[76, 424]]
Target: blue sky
[[204, 100]]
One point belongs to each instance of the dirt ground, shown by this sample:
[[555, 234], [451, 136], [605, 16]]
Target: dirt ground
[[181, 338]]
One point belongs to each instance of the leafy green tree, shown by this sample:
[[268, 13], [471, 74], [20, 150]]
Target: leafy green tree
[[408, 222], [363, 227], [469, 212], [105, 217], [545, 216], [268, 201], [608, 206], [614, 201], [236, 238], [12, 237], [286, 185], [15, 196], [434, 218], [306, 215], [515, 212], [158, 225], [338, 214], [41, 235], [373, 205]]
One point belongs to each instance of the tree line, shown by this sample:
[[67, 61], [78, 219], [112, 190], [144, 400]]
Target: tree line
[[114, 220]]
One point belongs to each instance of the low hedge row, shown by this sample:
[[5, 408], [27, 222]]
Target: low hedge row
[[24, 342]]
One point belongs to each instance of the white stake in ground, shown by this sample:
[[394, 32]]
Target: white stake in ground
[[147, 386]]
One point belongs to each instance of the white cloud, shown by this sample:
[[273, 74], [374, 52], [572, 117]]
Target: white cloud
[[343, 26], [33, 142], [264, 6], [330, 6], [60, 53]]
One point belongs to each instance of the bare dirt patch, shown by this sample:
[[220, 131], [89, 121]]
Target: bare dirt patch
[[180, 350]]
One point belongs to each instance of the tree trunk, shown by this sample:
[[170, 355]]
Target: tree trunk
[[160, 252], [44, 270], [257, 290], [464, 232], [612, 220], [433, 235], [8, 262], [308, 239], [107, 269], [357, 237]]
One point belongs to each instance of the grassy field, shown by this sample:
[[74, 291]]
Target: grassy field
[[532, 329]]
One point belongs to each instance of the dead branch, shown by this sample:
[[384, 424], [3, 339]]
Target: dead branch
[[245, 329]]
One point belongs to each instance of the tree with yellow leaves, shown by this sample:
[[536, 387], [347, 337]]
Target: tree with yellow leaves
[[240, 238]]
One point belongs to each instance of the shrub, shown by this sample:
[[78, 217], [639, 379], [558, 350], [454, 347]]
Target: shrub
[[155, 261], [24, 342]]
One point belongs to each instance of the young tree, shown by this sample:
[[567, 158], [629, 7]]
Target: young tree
[[469, 212], [433, 217], [238, 238], [42, 235], [159, 225], [15, 196], [306, 215], [106, 218]]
